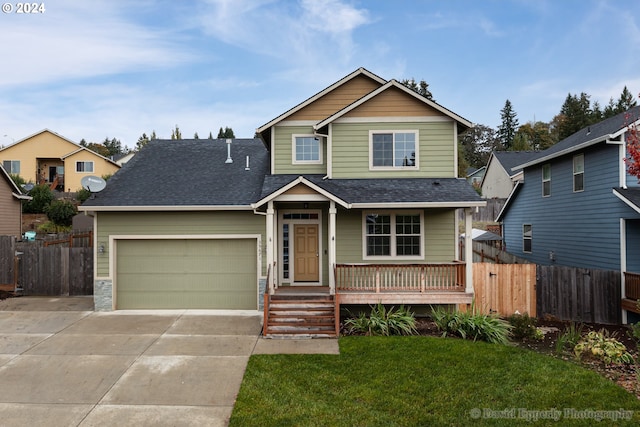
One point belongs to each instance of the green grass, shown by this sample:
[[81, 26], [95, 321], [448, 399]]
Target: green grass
[[419, 381]]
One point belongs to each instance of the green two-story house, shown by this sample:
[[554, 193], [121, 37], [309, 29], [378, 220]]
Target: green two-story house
[[352, 193]]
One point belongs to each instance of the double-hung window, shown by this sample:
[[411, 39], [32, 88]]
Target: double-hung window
[[11, 166], [393, 235], [546, 180], [84, 167], [578, 173], [393, 149], [307, 149]]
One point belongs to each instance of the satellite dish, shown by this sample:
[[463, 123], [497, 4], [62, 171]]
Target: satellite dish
[[92, 183], [27, 187]]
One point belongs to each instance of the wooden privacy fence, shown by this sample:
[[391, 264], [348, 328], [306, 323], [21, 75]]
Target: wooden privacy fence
[[505, 288], [579, 294], [51, 270]]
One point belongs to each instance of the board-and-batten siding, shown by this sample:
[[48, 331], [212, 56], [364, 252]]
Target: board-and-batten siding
[[582, 229], [174, 223], [10, 209], [337, 99], [439, 237], [350, 150], [283, 152]]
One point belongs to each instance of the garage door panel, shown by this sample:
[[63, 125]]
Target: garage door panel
[[186, 274]]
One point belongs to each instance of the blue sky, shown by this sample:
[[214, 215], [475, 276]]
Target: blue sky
[[118, 68]]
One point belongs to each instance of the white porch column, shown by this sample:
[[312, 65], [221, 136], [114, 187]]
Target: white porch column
[[468, 248], [332, 246], [623, 263], [270, 247]]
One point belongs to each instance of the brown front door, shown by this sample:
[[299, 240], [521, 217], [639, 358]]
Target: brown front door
[[306, 253]]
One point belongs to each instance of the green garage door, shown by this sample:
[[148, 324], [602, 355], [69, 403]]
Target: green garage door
[[186, 273]]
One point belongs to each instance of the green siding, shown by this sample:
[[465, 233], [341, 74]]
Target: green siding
[[440, 237], [178, 274], [350, 150], [173, 223], [283, 147]]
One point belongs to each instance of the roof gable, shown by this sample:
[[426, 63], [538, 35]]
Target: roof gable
[[393, 86], [359, 74], [511, 160], [15, 190]]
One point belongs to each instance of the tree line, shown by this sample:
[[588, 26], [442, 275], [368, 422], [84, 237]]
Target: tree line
[[113, 147]]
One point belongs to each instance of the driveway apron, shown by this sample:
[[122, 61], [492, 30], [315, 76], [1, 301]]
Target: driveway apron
[[62, 364]]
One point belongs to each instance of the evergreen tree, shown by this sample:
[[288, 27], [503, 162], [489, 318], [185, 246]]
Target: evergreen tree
[[422, 88], [83, 142], [142, 141], [113, 146], [226, 133], [220, 133], [509, 125], [575, 114], [210, 135], [626, 101], [176, 134], [195, 136]]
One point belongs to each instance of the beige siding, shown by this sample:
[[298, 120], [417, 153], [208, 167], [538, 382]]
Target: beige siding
[[436, 150], [337, 99], [10, 211], [72, 179], [440, 237], [393, 102], [283, 150], [173, 223]]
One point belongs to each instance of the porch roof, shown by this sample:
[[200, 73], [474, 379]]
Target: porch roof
[[386, 192], [631, 196]]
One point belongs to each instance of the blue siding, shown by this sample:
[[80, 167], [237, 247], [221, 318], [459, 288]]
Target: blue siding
[[582, 229]]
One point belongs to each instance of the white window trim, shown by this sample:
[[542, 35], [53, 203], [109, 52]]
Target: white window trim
[[416, 132], [573, 166], [393, 255], [529, 238], [85, 171], [546, 180], [306, 162]]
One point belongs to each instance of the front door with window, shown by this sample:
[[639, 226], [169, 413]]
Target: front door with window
[[306, 253]]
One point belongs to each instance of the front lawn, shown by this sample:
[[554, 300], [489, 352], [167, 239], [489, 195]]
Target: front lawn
[[420, 381]]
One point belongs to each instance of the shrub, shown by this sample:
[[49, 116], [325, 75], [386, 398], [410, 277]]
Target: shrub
[[50, 227], [472, 325], [42, 197], [569, 338], [82, 195], [603, 346], [61, 212], [383, 321], [524, 326]]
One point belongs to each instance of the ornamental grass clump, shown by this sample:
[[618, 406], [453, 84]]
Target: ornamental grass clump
[[472, 325], [383, 321]]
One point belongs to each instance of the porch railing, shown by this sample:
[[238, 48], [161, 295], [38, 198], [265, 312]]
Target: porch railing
[[400, 277], [632, 285]]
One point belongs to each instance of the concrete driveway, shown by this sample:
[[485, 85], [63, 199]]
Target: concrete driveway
[[61, 364]]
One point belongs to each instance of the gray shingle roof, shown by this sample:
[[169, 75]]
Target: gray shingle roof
[[188, 173], [511, 159], [632, 195], [596, 132], [400, 190]]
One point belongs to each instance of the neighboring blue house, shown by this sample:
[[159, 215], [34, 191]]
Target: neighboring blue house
[[577, 205]]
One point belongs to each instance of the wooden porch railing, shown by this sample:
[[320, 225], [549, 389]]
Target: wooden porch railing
[[632, 285], [400, 277]]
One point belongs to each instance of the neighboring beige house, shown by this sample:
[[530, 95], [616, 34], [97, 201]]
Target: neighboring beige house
[[499, 178], [10, 206], [48, 158]]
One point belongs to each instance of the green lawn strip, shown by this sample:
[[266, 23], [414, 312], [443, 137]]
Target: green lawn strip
[[414, 381]]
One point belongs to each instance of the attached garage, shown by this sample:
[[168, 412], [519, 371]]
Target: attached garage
[[186, 274]]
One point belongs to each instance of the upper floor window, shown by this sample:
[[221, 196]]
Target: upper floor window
[[11, 166], [546, 180], [578, 172], [393, 149], [306, 149], [393, 235], [84, 166]]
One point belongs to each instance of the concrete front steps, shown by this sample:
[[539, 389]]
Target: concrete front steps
[[300, 316]]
